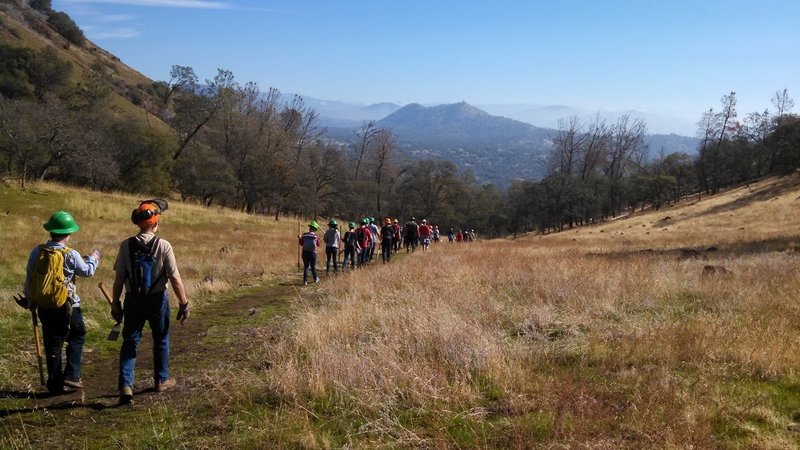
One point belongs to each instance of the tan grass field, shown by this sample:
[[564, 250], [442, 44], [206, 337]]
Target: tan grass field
[[217, 250], [608, 336], [602, 337]]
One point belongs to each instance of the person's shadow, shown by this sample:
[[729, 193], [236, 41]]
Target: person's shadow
[[97, 404]]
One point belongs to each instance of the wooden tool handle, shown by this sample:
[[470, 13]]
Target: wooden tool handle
[[38, 347], [105, 292]]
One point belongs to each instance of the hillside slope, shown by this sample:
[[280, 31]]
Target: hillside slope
[[23, 27]]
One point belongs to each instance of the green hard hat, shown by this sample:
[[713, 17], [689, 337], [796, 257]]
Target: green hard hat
[[61, 222], [351, 224], [314, 225], [364, 220], [332, 223]]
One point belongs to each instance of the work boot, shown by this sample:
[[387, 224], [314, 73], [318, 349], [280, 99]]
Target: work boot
[[73, 383], [125, 395], [166, 385]]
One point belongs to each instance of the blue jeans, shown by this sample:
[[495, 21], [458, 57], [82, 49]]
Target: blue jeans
[[332, 254], [153, 309], [59, 326], [309, 261], [349, 256]]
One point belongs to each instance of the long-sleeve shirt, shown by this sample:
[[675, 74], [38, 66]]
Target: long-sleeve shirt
[[74, 264], [332, 237]]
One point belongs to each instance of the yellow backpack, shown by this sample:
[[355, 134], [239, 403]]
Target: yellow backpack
[[48, 288]]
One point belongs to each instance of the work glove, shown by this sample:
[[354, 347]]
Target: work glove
[[22, 301], [183, 312], [116, 311]]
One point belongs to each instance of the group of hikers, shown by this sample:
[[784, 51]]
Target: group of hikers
[[144, 266], [361, 240]]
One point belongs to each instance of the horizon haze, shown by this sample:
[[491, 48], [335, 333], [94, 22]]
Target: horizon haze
[[672, 60]]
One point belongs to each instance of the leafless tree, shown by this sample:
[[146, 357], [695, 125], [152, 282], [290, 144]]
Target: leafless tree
[[783, 105], [627, 147], [366, 135], [383, 147]]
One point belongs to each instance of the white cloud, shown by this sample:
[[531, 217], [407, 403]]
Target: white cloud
[[116, 17], [197, 4], [121, 33]]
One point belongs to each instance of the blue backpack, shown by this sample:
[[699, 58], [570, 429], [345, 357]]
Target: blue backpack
[[142, 263]]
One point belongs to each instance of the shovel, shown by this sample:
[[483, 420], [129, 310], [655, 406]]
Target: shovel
[[114, 334]]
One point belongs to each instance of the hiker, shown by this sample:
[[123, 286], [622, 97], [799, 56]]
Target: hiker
[[375, 235], [451, 235], [459, 236], [425, 234], [364, 237], [351, 247], [387, 235], [411, 235], [436, 234], [50, 292], [332, 238], [144, 265], [310, 242], [398, 235]]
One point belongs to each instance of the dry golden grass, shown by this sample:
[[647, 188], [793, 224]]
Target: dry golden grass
[[574, 339], [216, 250]]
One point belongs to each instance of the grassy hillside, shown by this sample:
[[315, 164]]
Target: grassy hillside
[[609, 336], [25, 28]]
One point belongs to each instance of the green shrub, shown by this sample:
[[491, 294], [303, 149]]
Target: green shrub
[[66, 27], [45, 6]]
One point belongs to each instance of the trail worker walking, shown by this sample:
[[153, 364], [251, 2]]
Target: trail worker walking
[[332, 238], [387, 236], [364, 237], [50, 291], [351, 247], [144, 265], [310, 241]]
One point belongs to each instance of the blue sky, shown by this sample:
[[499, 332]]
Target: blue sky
[[671, 56]]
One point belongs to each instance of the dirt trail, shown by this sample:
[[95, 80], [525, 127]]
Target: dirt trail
[[230, 315]]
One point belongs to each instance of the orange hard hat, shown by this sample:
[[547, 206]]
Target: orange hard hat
[[146, 214]]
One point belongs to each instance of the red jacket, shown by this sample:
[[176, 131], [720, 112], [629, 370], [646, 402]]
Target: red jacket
[[424, 230], [366, 238]]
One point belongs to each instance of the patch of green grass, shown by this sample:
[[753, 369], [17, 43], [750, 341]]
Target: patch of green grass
[[756, 408]]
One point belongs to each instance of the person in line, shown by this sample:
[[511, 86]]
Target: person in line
[[375, 233], [398, 235], [387, 236], [364, 236], [411, 235], [332, 238], [425, 234], [436, 234], [144, 265], [459, 237], [351, 247], [451, 236], [50, 292], [310, 241]]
